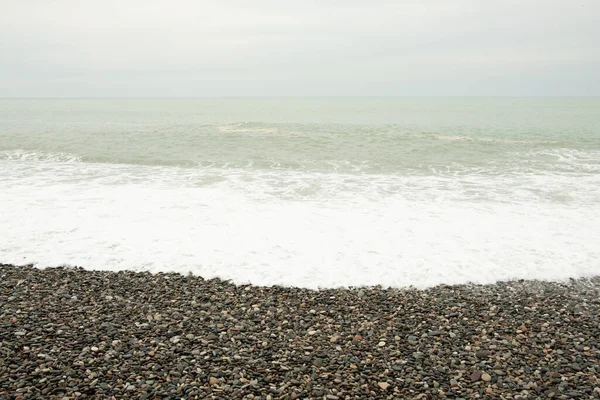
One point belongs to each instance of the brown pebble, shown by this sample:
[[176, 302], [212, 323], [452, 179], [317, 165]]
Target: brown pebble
[[475, 376]]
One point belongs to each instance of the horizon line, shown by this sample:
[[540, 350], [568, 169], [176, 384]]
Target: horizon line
[[282, 96]]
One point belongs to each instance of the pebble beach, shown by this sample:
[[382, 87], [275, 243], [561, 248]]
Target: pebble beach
[[70, 333]]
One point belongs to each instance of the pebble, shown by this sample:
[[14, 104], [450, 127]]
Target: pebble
[[174, 336], [475, 376], [482, 353]]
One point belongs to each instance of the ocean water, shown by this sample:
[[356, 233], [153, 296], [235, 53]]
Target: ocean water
[[309, 192]]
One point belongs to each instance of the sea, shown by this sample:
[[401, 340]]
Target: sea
[[308, 192]]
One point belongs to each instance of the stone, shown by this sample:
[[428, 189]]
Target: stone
[[383, 385], [476, 375], [251, 341], [482, 353]]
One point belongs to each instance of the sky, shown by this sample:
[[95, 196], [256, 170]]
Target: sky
[[198, 48]]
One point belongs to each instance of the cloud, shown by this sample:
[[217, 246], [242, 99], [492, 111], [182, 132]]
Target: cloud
[[267, 47]]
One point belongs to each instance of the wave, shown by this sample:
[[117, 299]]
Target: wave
[[479, 139], [390, 131], [570, 160], [253, 128], [521, 161], [520, 185], [24, 155]]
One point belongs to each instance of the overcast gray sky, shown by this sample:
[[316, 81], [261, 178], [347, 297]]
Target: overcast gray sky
[[278, 47]]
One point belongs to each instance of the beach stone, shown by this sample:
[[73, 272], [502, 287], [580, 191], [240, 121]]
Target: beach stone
[[482, 353], [242, 341], [476, 375]]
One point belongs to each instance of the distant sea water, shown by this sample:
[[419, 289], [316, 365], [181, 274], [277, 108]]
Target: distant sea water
[[309, 192]]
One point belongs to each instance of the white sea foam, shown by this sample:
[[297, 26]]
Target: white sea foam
[[23, 155], [246, 128], [301, 229]]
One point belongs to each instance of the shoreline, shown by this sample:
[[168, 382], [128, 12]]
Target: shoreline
[[71, 332]]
